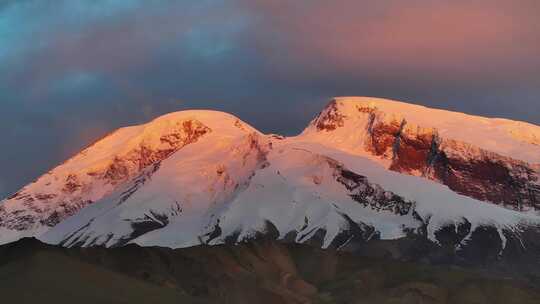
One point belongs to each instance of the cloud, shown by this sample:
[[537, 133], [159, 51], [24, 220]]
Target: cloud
[[73, 70], [103, 37], [475, 44], [448, 40]]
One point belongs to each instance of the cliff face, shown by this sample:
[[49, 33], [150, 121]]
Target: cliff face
[[463, 167], [423, 150]]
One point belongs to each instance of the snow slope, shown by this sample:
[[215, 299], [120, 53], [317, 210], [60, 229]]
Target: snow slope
[[105, 166], [492, 160], [292, 189], [206, 177]]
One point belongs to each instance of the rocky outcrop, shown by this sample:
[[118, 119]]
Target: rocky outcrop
[[125, 166], [464, 168], [371, 195], [330, 119]]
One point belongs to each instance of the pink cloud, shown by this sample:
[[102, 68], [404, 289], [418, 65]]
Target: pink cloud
[[471, 37]]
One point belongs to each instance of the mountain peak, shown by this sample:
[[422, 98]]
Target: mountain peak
[[208, 117], [472, 155], [108, 163], [346, 116], [364, 168]]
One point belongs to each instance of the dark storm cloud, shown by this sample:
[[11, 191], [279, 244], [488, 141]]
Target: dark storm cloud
[[71, 71]]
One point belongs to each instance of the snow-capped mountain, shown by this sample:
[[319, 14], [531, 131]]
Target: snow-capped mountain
[[494, 160], [364, 169], [101, 168]]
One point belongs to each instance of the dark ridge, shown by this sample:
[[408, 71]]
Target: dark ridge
[[260, 271]]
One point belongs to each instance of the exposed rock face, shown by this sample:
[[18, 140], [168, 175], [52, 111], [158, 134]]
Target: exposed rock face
[[331, 119], [371, 195], [123, 167], [419, 150], [27, 208], [488, 177], [464, 168]]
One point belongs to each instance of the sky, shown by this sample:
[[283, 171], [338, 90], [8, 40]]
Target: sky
[[71, 71]]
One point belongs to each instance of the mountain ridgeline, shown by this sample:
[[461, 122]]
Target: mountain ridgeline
[[367, 175]]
